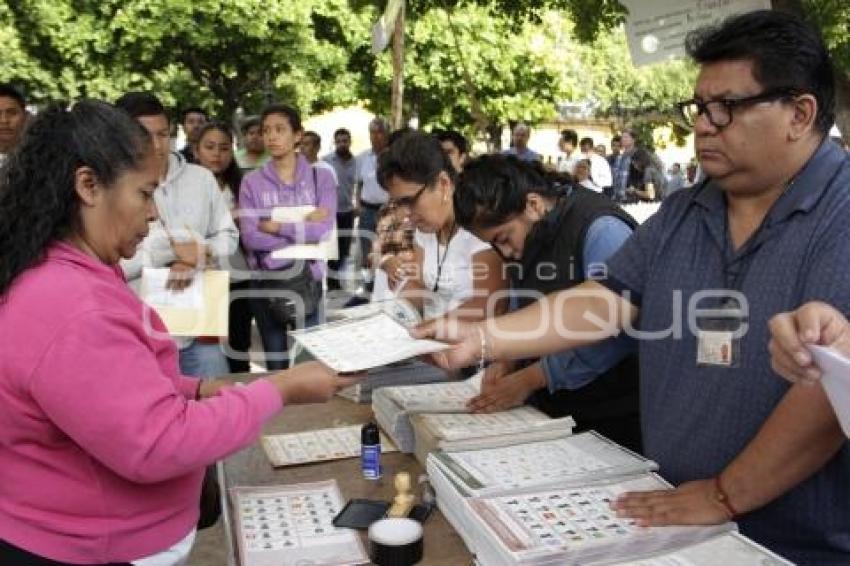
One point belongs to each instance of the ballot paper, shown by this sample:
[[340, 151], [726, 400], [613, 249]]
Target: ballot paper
[[836, 382], [574, 525], [393, 406], [363, 343], [571, 460], [317, 445], [290, 525], [157, 295], [326, 249], [729, 549]]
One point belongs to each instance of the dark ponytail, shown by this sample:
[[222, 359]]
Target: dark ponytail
[[492, 189], [38, 204]]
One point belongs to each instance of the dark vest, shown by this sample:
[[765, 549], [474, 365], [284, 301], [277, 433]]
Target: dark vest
[[609, 404]]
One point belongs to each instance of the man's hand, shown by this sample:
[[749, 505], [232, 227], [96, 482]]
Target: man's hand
[[311, 382], [269, 227], [464, 336], [692, 503], [506, 392], [813, 323], [180, 276]]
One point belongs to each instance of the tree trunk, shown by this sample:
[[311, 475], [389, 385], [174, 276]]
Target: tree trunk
[[397, 104]]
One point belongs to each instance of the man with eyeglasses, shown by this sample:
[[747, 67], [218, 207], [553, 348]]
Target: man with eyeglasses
[[765, 232]]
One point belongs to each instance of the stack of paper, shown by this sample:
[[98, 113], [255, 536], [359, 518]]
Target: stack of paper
[[728, 549], [292, 524], [467, 431], [549, 503], [573, 525], [317, 445], [571, 461], [413, 372], [394, 405]]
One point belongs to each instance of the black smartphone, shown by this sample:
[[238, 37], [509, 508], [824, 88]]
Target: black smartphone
[[360, 513]]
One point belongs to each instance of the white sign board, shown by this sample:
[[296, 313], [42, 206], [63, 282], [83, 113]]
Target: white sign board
[[656, 29]]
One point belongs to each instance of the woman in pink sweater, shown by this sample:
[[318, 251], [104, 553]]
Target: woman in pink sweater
[[103, 443]]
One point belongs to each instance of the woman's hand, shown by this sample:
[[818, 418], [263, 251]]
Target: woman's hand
[[311, 382], [317, 215], [269, 227], [399, 267], [813, 323], [465, 336], [500, 393]]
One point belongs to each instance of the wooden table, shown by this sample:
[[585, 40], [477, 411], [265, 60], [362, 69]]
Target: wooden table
[[251, 467]]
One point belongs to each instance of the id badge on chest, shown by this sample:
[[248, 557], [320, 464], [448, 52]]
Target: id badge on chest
[[719, 333], [718, 348]]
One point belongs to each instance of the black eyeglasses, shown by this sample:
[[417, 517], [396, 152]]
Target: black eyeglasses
[[410, 201], [719, 112]]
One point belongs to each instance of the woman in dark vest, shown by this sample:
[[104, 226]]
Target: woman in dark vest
[[557, 234]]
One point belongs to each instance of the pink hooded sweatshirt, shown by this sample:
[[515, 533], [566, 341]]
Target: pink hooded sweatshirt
[[102, 447]]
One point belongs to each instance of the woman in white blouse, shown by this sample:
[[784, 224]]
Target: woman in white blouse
[[448, 270]]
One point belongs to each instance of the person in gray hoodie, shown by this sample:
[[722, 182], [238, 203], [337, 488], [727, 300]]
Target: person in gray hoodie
[[195, 229]]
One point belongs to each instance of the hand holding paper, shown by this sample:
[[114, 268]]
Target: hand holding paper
[[792, 333]]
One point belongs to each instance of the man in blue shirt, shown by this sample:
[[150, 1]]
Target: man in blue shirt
[[697, 284], [520, 148]]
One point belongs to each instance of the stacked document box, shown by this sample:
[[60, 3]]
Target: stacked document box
[[549, 503]]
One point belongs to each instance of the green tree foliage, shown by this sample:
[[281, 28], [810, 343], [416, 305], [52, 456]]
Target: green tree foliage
[[469, 59], [219, 53]]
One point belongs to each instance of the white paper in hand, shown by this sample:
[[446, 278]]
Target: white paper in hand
[[836, 382], [364, 343]]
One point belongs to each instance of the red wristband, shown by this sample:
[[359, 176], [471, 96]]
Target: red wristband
[[723, 499]]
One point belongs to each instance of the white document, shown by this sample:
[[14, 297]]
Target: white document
[[157, 295], [360, 344], [317, 445], [290, 525], [729, 549], [327, 249], [836, 382]]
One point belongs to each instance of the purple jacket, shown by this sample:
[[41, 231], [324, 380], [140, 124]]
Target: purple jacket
[[262, 190]]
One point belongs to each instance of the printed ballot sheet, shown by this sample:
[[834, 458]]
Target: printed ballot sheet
[[317, 446], [836, 382], [730, 549], [363, 343], [199, 310], [289, 525], [577, 525], [575, 459], [327, 249]]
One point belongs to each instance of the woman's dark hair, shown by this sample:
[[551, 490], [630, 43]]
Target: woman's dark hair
[[288, 112], [786, 53], [492, 189], [38, 202], [416, 157], [641, 159], [232, 175]]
